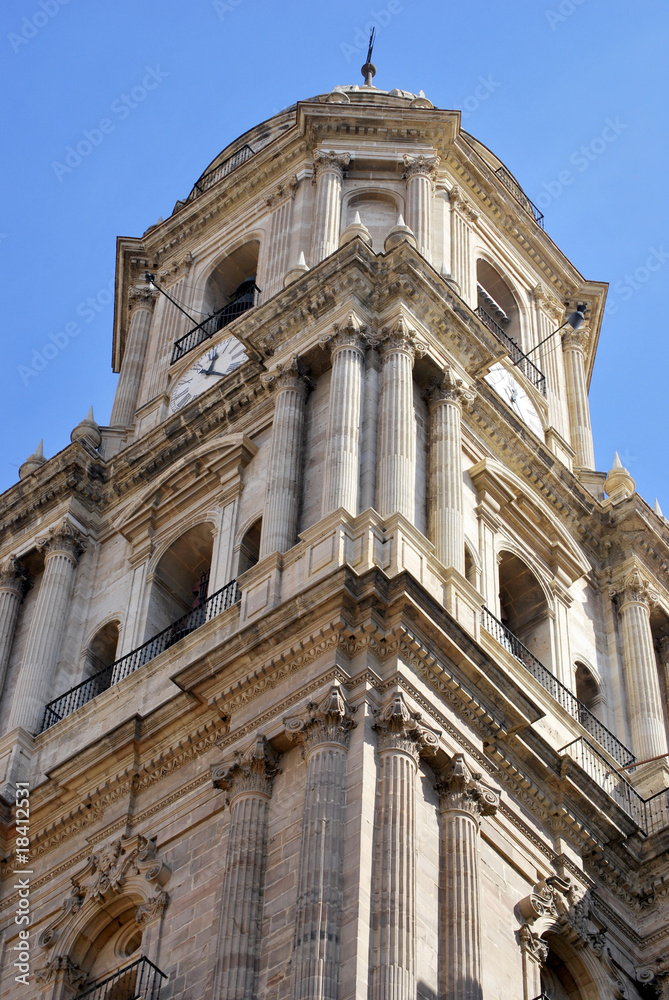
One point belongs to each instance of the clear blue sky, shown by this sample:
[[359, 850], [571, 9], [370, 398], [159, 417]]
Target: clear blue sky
[[555, 76]]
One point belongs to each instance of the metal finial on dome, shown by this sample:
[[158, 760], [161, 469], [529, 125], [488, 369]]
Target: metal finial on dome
[[369, 69]]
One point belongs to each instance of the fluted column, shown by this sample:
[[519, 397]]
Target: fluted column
[[420, 173], [13, 586], [284, 472], [142, 301], [463, 268], [249, 783], [316, 959], [463, 800], [446, 513], [574, 343], [342, 448], [62, 546], [329, 171], [642, 682], [396, 484], [401, 741]]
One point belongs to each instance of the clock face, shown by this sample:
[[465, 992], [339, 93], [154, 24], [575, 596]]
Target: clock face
[[209, 369], [513, 394]]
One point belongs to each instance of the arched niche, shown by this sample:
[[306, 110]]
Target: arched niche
[[233, 279], [378, 211], [524, 608], [249, 547], [588, 690], [473, 568], [179, 583], [102, 648], [497, 300]]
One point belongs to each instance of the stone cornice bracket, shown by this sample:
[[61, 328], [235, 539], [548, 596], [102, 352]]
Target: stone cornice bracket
[[332, 162], [142, 296], [352, 334], [61, 968], [545, 302], [635, 589], [252, 770], [459, 202], [14, 576], [282, 192], [447, 388], [288, 375], [657, 975], [399, 728], [532, 944], [462, 789], [420, 166], [329, 722], [64, 537], [400, 337]]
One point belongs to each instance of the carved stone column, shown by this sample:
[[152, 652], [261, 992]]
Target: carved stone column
[[642, 682], [13, 586], [63, 546], [248, 782], [402, 740], [284, 472], [142, 301], [446, 514], [325, 737], [463, 215], [396, 485], [420, 173], [463, 801], [342, 449], [574, 343], [329, 172]]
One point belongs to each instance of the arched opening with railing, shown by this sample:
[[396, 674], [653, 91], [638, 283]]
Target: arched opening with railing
[[378, 212], [587, 689], [232, 283], [249, 547], [180, 581], [101, 650], [524, 609], [496, 301]]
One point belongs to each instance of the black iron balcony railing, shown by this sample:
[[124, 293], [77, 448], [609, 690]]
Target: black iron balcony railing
[[212, 177], [527, 367], [141, 980], [543, 996], [651, 815], [512, 185], [618, 751], [237, 305], [80, 695]]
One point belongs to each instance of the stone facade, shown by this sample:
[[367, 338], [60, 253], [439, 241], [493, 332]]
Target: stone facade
[[324, 664]]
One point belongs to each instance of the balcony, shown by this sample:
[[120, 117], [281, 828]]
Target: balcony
[[618, 751], [512, 185], [520, 360], [80, 695], [243, 300], [211, 177], [141, 980]]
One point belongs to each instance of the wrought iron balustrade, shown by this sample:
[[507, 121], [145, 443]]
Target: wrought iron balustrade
[[618, 751], [237, 305], [141, 980], [80, 695], [657, 811], [216, 174], [512, 185], [520, 360]]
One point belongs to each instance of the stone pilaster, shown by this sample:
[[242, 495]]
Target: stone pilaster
[[419, 174], [342, 449], [396, 487], [463, 269], [329, 172], [13, 586], [446, 514], [275, 249], [325, 738], [248, 781], [463, 800], [284, 472], [142, 301], [401, 741], [642, 682], [62, 546], [574, 343]]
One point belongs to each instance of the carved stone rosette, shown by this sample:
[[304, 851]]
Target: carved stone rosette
[[324, 733]]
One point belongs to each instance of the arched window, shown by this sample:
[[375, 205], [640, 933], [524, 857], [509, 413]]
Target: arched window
[[523, 607], [470, 567], [231, 286], [101, 651], [180, 581], [249, 549], [497, 301], [564, 976], [587, 689], [378, 211]]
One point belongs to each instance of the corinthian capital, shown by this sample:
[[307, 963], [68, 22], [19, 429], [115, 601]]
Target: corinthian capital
[[635, 589], [64, 537], [576, 340], [14, 576], [289, 375], [61, 969], [252, 770], [330, 162], [142, 296], [461, 789], [399, 728], [420, 166], [327, 722], [401, 337], [350, 334], [449, 389]]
